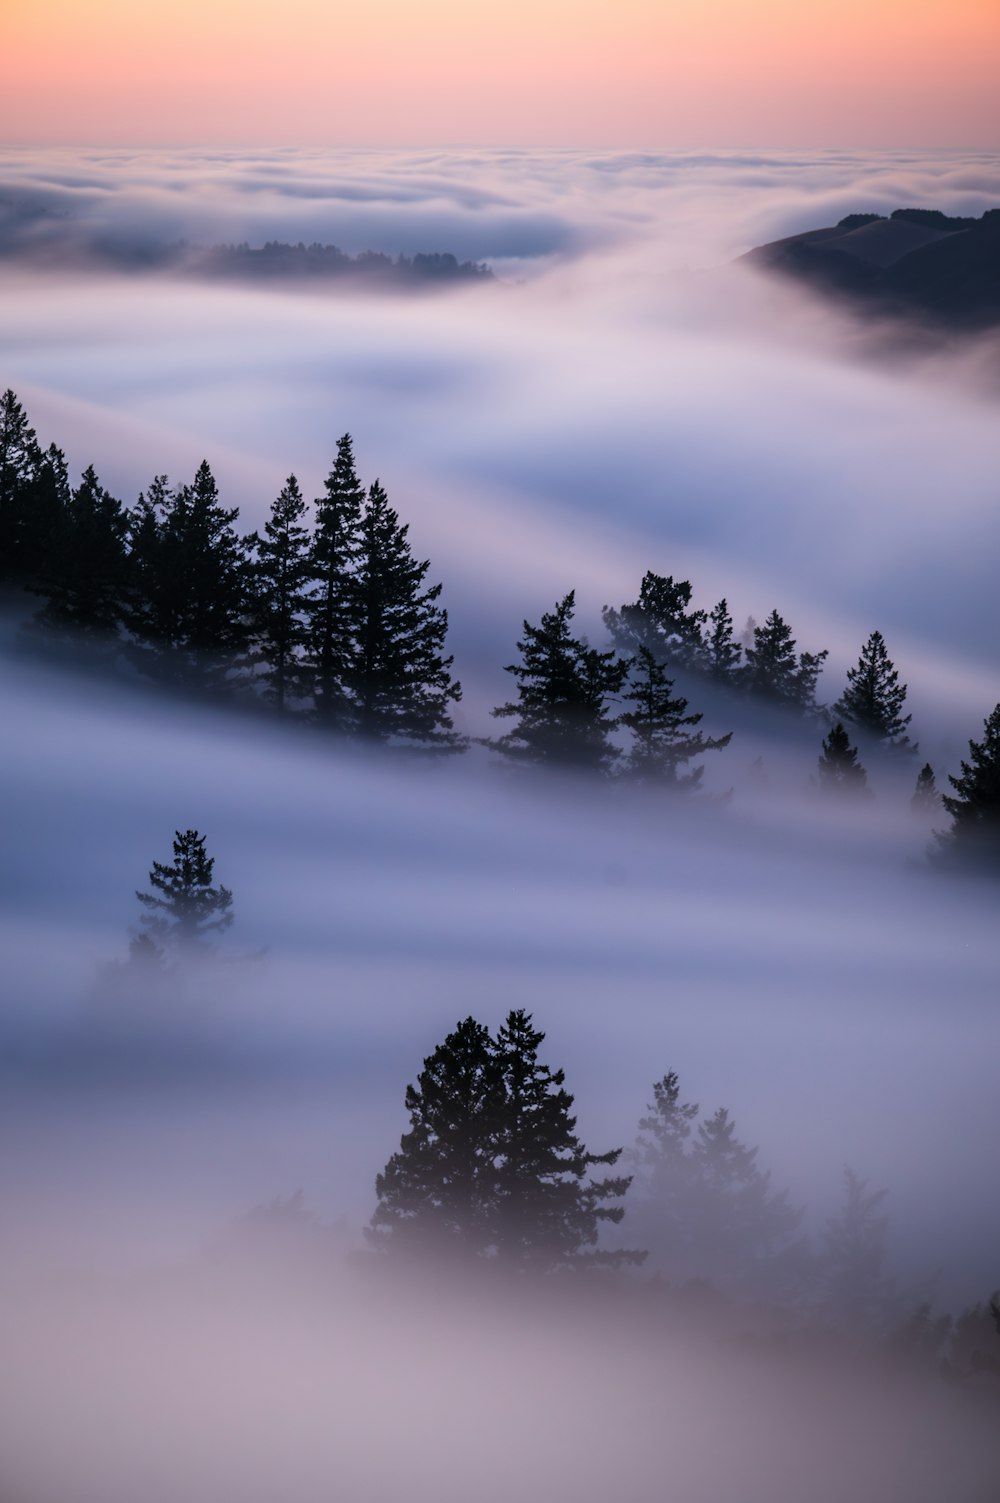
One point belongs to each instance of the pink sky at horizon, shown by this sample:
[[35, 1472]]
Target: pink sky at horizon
[[554, 72]]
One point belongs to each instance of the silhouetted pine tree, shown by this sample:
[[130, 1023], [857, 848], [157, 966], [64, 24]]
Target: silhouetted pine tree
[[548, 1214], [333, 612], [839, 768], [661, 621], [437, 1195], [874, 698], [398, 677], [926, 798], [491, 1168], [20, 461], [185, 908], [773, 670], [661, 746], [563, 690], [722, 653], [190, 583], [85, 574], [974, 837], [282, 573]]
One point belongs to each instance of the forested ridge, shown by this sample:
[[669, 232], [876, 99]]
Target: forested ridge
[[327, 617]]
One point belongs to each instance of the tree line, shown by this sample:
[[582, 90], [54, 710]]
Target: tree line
[[330, 618]]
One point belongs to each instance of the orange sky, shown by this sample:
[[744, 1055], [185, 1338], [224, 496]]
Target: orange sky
[[385, 72]]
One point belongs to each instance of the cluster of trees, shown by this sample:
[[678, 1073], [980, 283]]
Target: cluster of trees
[[491, 1173], [331, 618], [335, 619]]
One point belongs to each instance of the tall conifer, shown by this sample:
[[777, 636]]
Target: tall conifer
[[564, 687], [398, 677], [874, 698], [282, 572], [333, 612]]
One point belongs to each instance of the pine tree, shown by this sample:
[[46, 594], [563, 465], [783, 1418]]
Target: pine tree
[[397, 676], [722, 653], [705, 1207], [85, 575], [333, 614], [185, 908], [839, 768], [926, 798], [436, 1196], [563, 690], [874, 698], [20, 461], [661, 745], [974, 837], [548, 1214], [491, 1169], [281, 597], [190, 594], [773, 670], [661, 621]]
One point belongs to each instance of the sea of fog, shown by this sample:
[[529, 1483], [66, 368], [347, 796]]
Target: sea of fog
[[619, 399]]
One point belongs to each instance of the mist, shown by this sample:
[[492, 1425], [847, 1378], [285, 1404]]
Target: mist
[[620, 398]]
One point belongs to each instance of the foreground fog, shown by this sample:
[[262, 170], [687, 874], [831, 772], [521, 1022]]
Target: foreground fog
[[619, 400]]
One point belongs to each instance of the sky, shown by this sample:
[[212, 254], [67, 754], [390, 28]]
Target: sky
[[548, 72]]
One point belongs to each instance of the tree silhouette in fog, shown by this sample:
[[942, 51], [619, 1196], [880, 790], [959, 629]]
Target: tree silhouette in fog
[[191, 583], [335, 548], [773, 670], [491, 1168], [704, 1207], [974, 838], [722, 653], [855, 1284], [396, 673], [926, 797], [874, 698], [661, 621], [838, 765], [85, 574], [564, 685], [184, 909], [663, 737], [281, 596]]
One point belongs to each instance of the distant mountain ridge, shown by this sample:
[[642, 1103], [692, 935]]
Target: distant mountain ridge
[[914, 263]]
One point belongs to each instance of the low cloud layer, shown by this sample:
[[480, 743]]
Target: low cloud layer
[[619, 401]]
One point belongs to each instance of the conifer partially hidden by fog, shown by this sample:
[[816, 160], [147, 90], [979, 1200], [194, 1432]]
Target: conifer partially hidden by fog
[[184, 909], [564, 686], [973, 841], [773, 670], [85, 576], [874, 698], [926, 798], [661, 621], [396, 672], [705, 1209], [282, 574], [491, 1169], [190, 583], [855, 1286], [335, 549], [661, 743], [838, 766]]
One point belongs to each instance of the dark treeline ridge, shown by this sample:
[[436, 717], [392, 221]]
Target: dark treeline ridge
[[491, 1176], [329, 619], [43, 238]]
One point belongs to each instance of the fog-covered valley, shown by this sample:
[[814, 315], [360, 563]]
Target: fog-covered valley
[[619, 399]]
